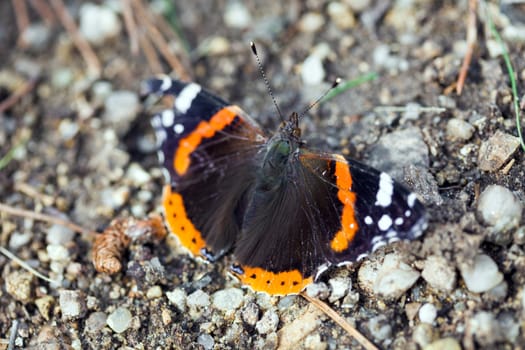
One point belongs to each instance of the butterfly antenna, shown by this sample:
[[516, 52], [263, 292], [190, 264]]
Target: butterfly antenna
[[261, 70], [336, 82]]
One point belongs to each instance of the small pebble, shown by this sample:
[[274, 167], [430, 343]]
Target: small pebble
[[482, 275], [439, 274], [485, 328], [36, 36], [72, 304], [427, 313], [44, 305], [318, 290], [394, 277], [358, 5], [121, 108], [314, 342], [57, 252], [268, 322], [496, 151], [458, 129], [380, 327], [198, 299], [423, 334], [228, 299], [444, 344], [18, 239], [137, 175], [67, 129], [310, 22], [59, 234], [19, 285], [95, 322], [339, 287], [250, 314], [206, 341], [236, 15], [341, 15], [499, 208], [154, 292], [119, 320], [312, 70], [98, 23]]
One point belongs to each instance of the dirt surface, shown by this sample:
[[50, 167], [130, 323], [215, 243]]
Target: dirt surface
[[75, 159]]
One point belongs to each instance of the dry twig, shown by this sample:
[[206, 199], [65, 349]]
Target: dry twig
[[46, 218], [367, 344], [17, 95], [44, 11], [22, 19], [80, 42], [162, 45], [131, 27], [472, 35]]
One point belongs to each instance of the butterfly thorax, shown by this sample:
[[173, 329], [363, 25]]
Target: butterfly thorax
[[280, 151]]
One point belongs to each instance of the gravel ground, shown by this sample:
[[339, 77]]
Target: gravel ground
[[86, 153]]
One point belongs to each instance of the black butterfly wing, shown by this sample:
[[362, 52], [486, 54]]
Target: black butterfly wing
[[208, 150], [326, 210]]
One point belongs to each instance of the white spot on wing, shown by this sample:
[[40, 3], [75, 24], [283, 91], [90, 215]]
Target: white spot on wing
[[408, 213], [411, 199], [156, 122], [368, 220], [168, 117], [178, 128], [384, 223], [186, 97], [386, 188], [399, 221]]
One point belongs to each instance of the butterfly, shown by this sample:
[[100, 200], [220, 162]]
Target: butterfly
[[286, 212]]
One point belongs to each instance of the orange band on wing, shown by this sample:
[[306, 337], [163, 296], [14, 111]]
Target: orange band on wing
[[275, 283], [204, 130], [179, 223], [349, 226]]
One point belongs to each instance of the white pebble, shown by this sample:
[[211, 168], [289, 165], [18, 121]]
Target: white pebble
[[57, 252], [312, 70], [72, 304], [499, 208], [341, 15], [311, 22], [177, 297], [394, 277], [206, 341], [17, 239], [137, 175], [380, 327], [439, 274], [119, 320], [268, 322], [237, 15], [121, 108], [339, 287], [228, 299], [59, 234], [427, 313], [98, 23], [482, 275], [458, 129], [198, 299]]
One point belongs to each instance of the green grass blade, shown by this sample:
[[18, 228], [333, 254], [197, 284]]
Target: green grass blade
[[346, 85]]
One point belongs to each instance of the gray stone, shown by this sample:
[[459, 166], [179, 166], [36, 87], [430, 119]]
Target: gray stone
[[496, 151]]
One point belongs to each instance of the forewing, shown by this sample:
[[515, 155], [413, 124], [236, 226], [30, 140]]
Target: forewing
[[208, 150]]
